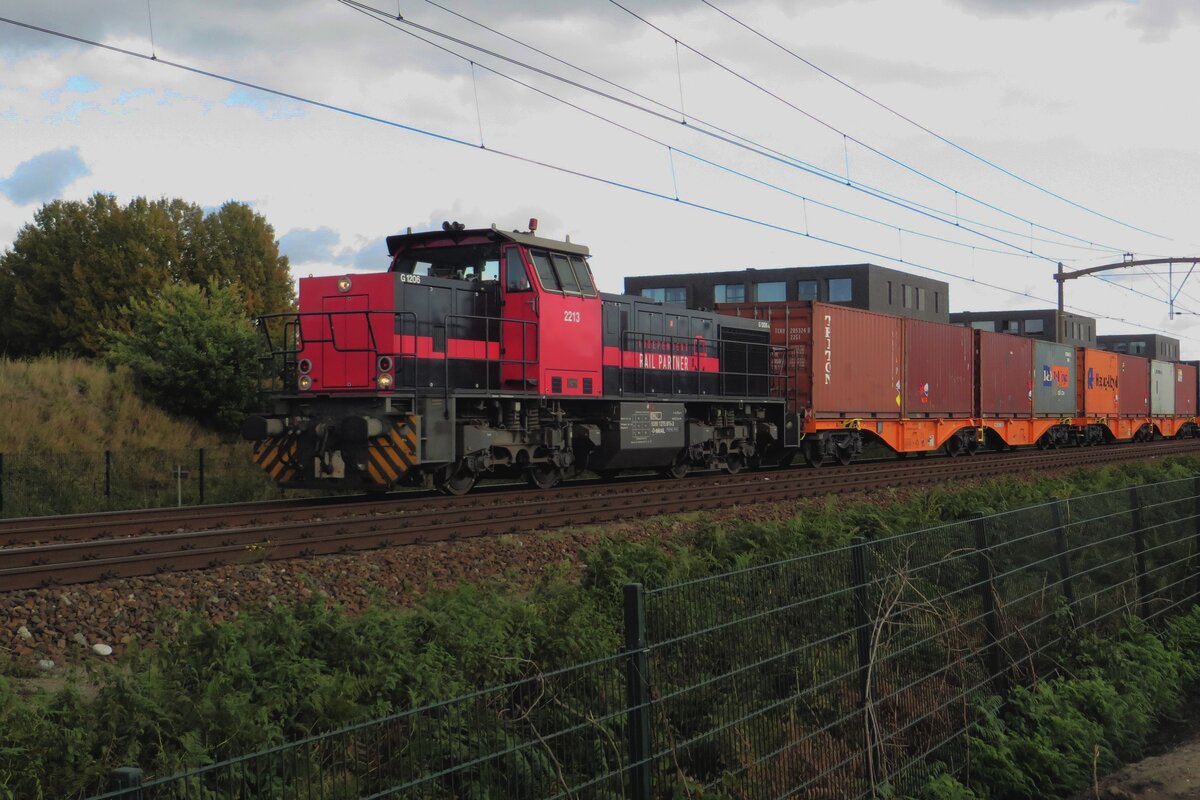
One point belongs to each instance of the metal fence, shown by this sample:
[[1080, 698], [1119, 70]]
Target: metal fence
[[846, 673], [41, 483]]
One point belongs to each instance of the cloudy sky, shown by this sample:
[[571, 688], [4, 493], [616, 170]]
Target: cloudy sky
[[773, 163]]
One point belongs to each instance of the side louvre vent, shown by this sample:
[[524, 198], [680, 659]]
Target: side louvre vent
[[587, 385], [556, 385]]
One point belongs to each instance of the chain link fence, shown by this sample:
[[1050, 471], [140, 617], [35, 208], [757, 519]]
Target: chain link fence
[[848, 673]]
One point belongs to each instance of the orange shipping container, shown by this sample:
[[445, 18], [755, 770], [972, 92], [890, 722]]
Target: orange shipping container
[[1099, 380], [843, 362]]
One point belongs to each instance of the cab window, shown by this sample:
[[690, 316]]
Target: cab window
[[566, 276], [545, 272], [516, 279], [583, 276]]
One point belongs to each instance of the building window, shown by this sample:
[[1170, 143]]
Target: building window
[[730, 293], [1012, 326], [906, 290], [937, 303], [891, 302], [770, 292], [806, 290], [1035, 326], [920, 299], [1137, 348], [1121, 347], [667, 294], [840, 290], [983, 325]]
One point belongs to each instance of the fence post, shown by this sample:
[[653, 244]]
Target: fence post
[[127, 778], [1196, 546], [987, 594], [637, 691], [1139, 551], [201, 466], [108, 475], [1064, 555], [862, 634]]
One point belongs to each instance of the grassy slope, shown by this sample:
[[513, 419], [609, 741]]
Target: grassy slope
[[70, 405]]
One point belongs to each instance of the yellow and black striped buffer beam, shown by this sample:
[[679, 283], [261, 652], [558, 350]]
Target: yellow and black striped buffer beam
[[394, 453], [277, 456]]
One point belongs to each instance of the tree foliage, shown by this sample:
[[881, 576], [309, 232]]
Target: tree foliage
[[72, 270], [191, 352]]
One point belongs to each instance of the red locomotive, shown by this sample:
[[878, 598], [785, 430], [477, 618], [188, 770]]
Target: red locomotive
[[487, 352]]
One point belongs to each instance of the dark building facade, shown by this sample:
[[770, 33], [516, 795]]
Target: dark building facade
[[1150, 345], [1036, 323], [866, 286]]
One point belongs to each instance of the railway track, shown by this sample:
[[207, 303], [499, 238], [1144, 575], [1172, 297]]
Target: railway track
[[44, 552]]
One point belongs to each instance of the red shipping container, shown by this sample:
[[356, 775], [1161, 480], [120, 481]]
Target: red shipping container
[[1005, 374], [1098, 378], [843, 362], [939, 369], [1185, 390], [1134, 388]]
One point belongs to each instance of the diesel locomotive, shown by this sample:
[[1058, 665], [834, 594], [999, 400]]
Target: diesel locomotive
[[488, 352]]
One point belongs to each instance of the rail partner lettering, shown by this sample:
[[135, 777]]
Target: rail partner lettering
[[828, 349]]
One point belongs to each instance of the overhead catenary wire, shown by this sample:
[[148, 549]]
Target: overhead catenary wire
[[665, 107], [965, 150], [386, 19], [720, 134], [833, 128], [449, 139]]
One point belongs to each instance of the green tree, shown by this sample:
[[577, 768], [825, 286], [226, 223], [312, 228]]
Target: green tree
[[191, 351], [71, 272]]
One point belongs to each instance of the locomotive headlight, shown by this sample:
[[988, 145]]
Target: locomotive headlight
[[383, 381], [305, 383], [344, 283], [305, 366]]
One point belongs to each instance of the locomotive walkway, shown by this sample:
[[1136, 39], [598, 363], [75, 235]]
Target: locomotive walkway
[[51, 551]]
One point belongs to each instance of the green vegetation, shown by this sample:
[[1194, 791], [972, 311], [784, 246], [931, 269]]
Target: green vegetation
[[1055, 740], [200, 691], [61, 414], [72, 271], [192, 352]]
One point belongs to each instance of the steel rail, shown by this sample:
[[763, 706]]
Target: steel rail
[[419, 520]]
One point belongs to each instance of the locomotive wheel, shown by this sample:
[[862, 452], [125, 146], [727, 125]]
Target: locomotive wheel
[[844, 456], [455, 480], [543, 476], [678, 469]]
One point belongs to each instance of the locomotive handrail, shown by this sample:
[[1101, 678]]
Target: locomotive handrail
[[295, 330], [524, 361]]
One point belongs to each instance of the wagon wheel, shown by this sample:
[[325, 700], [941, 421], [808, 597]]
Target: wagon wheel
[[679, 467], [954, 446], [844, 456], [543, 476], [972, 446], [814, 453], [455, 479]]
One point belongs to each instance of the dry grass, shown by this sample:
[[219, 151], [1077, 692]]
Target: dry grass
[[65, 405]]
